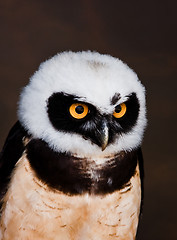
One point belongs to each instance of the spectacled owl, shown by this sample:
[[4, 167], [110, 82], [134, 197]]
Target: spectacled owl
[[71, 167]]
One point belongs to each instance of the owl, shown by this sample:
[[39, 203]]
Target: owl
[[71, 167]]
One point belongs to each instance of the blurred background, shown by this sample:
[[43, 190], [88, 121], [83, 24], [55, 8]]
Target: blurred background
[[141, 33]]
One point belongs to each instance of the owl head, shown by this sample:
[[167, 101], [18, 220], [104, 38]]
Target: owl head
[[86, 104]]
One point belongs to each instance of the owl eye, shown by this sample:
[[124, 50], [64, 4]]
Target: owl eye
[[78, 110], [120, 110]]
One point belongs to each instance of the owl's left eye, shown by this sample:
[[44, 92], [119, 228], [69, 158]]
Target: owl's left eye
[[120, 110], [78, 110]]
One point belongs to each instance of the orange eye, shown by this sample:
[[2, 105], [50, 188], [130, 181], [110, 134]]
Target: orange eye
[[78, 110], [120, 110]]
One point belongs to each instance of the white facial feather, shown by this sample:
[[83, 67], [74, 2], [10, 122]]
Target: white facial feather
[[94, 78]]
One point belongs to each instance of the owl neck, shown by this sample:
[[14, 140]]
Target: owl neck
[[73, 175]]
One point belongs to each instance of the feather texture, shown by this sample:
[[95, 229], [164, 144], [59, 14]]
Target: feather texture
[[33, 211]]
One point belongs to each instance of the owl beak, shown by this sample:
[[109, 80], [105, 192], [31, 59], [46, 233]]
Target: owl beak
[[104, 135]]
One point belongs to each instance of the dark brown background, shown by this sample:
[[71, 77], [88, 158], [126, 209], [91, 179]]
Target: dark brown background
[[141, 33]]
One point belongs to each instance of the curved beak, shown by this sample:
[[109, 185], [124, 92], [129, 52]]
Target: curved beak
[[104, 134]]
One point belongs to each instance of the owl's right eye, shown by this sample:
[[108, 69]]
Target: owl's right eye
[[78, 110]]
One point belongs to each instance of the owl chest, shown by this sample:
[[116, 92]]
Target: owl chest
[[32, 211]]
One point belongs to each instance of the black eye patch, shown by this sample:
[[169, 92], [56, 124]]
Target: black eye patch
[[58, 109], [130, 117]]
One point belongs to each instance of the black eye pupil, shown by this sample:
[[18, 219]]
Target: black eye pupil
[[79, 109], [118, 109]]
